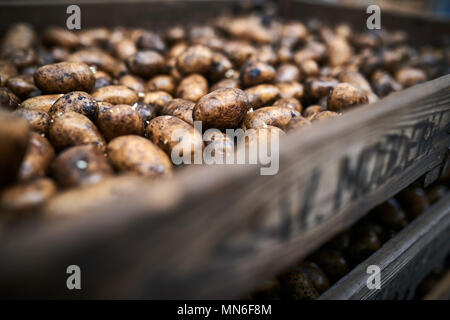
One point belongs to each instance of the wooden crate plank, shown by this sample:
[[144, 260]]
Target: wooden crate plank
[[404, 260]]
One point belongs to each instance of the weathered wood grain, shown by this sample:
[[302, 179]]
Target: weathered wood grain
[[404, 260]]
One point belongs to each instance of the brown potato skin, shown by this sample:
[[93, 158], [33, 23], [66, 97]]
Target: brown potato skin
[[297, 122], [320, 87], [133, 82], [76, 101], [120, 120], [192, 87], [291, 90], [180, 108], [72, 129], [159, 99], [262, 95], [22, 85], [291, 103], [219, 66], [162, 83], [256, 72], [42, 103], [40, 154], [312, 110], [287, 72], [98, 58], [14, 133], [358, 80], [8, 100], [345, 96], [116, 94], [64, 77], [28, 196], [67, 172], [138, 155], [7, 70], [323, 115], [408, 77], [38, 120], [222, 109], [225, 83], [161, 128], [56, 36], [195, 59], [269, 116], [145, 63], [146, 111], [296, 285]]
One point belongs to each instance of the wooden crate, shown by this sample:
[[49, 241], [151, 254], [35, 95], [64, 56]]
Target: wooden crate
[[217, 232], [404, 261]]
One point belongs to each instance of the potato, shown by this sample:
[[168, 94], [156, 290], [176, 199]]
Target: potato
[[218, 145], [222, 109], [220, 65], [116, 94], [138, 155], [287, 73], [409, 77], [22, 85], [172, 134], [313, 50], [345, 96], [124, 48], [162, 83], [102, 79], [41, 103], [296, 285], [151, 41], [383, 83], [309, 68], [390, 215], [73, 129], [76, 101], [292, 33], [239, 51], [312, 110], [320, 87], [64, 77], [57, 36], [195, 59], [20, 36], [256, 72], [175, 34], [98, 58], [339, 51], [290, 103], [414, 201], [269, 116], [262, 95], [27, 197], [146, 111], [39, 155], [80, 166], [358, 80], [14, 137], [180, 108], [7, 70], [332, 262], [38, 120], [291, 90], [323, 115], [225, 83], [158, 99], [192, 87], [297, 122], [363, 247], [145, 63], [316, 275], [120, 120], [8, 100], [133, 82]]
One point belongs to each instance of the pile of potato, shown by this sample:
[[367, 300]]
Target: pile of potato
[[104, 102], [313, 276]]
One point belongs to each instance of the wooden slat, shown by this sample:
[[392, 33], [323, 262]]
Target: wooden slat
[[404, 260], [441, 291], [226, 228]]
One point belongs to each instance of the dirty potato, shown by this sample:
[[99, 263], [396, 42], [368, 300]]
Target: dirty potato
[[344, 96], [145, 63], [287, 73], [222, 109], [256, 72], [73, 129], [120, 120], [138, 155], [22, 85], [39, 155], [176, 137], [133, 82], [80, 166], [42, 103], [76, 101], [290, 103], [192, 87], [291, 90], [116, 94], [180, 108], [38, 120], [195, 59], [297, 122], [162, 83], [8, 100], [269, 116], [323, 115], [158, 99], [262, 95], [312, 111], [64, 77]]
